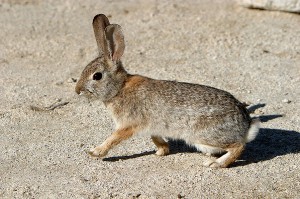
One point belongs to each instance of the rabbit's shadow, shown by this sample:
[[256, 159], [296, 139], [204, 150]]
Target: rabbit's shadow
[[268, 144], [271, 143]]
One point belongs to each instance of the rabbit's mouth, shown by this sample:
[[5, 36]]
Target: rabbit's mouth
[[88, 93]]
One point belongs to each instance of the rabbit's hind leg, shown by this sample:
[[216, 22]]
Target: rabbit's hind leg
[[233, 152], [162, 145]]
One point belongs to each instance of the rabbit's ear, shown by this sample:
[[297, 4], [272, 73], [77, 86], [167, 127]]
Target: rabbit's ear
[[115, 38], [100, 22]]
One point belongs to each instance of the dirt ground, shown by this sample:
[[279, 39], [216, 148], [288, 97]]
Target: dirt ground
[[46, 129]]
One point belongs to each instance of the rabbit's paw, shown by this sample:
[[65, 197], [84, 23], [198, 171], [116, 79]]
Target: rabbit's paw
[[98, 152], [212, 164], [162, 151]]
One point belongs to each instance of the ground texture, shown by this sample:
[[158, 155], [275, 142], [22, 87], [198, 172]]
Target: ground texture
[[44, 46]]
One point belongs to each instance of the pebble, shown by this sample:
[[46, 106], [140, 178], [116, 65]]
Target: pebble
[[59, 83], [286, 5], [286, 101], [259, 112], [72, 80]]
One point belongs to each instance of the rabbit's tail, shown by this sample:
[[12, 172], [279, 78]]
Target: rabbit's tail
[[253, 131]]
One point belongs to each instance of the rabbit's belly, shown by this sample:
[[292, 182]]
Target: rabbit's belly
[[209, 149]]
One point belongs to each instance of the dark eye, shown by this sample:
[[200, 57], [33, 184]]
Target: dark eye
[[97, 76]]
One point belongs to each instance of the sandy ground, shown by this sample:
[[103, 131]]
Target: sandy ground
[[44, 45]]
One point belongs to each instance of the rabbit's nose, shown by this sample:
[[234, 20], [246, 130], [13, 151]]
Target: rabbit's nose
[[78, 89]]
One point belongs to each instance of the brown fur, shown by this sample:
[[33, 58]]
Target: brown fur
[[235, 152], [162, 145], [115, 138], [133, 82]]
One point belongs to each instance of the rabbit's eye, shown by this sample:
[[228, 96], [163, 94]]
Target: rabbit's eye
[[97, 76]]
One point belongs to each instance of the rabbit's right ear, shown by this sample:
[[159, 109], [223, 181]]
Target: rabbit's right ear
[[115, 38], [100, 22]]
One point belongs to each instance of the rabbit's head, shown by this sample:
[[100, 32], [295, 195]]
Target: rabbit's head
[[105, 75]]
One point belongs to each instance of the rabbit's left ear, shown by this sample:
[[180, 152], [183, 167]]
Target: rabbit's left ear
[[100, 22], [115, 38]]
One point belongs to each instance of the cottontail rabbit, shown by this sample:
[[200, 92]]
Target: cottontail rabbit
[[210, 119]]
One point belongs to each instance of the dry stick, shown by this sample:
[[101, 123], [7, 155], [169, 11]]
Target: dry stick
[[54, 106], [49, 108]]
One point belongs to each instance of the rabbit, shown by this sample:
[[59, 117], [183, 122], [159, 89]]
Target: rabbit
[[210, 119]]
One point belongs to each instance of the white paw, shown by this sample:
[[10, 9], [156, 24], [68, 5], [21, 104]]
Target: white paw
[[212, 164], [98, 152], [162, 151]]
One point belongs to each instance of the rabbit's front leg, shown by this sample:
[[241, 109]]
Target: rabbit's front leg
[[111, 141]]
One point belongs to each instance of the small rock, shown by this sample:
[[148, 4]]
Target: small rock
[[72, 80], [84, 179], [59, 83], [180, 196], [286, 101], [259, 112], [137, 195], [286, 5]]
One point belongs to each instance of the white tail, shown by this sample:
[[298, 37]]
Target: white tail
[[253, 131]]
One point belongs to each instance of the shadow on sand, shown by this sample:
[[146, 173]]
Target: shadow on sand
[[271, 143], [117, 158], [268, 144]]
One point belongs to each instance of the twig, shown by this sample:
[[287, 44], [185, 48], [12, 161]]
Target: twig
[[49, 108], [54, 106]]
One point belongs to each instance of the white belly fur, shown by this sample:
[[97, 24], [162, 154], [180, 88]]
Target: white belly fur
[[209, 149]]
